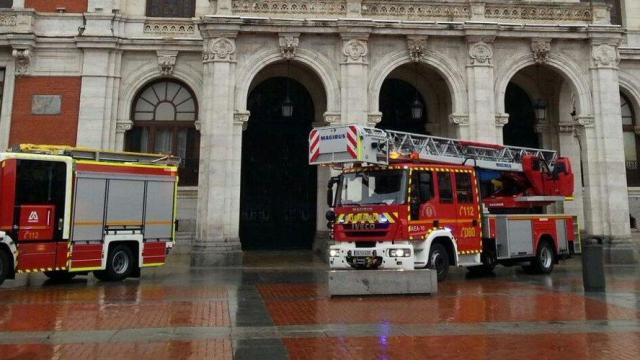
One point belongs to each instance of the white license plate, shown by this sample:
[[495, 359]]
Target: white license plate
[[362, 252]]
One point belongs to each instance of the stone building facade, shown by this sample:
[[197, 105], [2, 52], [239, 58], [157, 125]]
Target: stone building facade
[[209, 81]]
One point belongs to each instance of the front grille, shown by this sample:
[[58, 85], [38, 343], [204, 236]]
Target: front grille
[[365, 244], [363, 234]]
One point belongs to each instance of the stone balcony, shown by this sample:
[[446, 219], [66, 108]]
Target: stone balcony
[[463, 10]]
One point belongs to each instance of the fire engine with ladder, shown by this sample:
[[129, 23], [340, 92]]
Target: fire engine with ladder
[[66, 211], [408, 201]]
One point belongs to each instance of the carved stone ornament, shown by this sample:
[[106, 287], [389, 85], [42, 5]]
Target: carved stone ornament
[[459, 119], [502, 120], [332, 118], [480, 53], [241, 118], [123, 126], [219, 49], [417, 47], [585, 120], [374, 119], [540, 49], [356, 51], [288, 44], [605, 55], [23, 60], [167, 62]]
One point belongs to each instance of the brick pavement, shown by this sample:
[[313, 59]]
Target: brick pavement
[[270, 310]]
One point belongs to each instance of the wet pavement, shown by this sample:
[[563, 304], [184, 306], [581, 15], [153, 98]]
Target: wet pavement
[[276, 307]]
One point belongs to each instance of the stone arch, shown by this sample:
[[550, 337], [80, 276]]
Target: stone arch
[[138, 79], [566, 67], [316, 62], [455, 82], [630, 86], [148, 73]]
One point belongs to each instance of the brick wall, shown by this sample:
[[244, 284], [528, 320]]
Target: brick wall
[[72, 6], [58, 129]]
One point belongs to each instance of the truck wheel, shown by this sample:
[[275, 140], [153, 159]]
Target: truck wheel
[[439, 260], [119, 264], [4, 265], [62, 275], [543, 263]]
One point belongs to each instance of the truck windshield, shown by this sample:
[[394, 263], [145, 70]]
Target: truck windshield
[[384, 187]]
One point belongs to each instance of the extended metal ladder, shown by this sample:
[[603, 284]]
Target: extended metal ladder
[[99, 155], [486, 156]]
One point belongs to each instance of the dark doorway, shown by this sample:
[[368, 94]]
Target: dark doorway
[[520, 131], [397, 97], [278, 187]]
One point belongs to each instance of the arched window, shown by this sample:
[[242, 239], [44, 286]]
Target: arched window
[[630, 141], [164, 114], [171, 8]]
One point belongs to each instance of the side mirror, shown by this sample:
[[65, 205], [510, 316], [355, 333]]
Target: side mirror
[[330, 197], [330, 215]]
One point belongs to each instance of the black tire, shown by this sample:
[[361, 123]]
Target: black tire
[[439, 261], [120, 263], [5, 263], [545, 258], [62, 275], [489, 263]]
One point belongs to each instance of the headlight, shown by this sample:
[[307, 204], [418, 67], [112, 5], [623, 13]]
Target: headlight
[[333, 253], [400, 253]]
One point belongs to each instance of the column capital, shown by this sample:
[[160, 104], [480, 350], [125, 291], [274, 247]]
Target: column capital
[[374, 119], [566, 127], [241, 118], [331, 118], [123, 126], [219, 49], [502, 120], [459, 119], [585, 121]]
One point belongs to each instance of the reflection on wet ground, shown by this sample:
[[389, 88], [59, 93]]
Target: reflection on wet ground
[[276, 306]]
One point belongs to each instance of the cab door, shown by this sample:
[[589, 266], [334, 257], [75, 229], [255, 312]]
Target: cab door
[[468, 232], [445, 202], [40, 189]]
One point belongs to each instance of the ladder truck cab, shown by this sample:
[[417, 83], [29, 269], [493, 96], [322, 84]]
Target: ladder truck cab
[[66, 211], [407, 201]]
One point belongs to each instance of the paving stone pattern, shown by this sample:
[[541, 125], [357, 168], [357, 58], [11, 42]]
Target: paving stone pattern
[[277, 306]]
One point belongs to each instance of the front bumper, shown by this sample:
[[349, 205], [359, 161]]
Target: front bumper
[[348, 256]]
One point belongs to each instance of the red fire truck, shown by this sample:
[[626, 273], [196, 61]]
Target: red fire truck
[[407, 201], [66, 211]]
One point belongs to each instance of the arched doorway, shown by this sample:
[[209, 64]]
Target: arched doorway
[[520, 130], [400, 105], [278, 187], [415, 98]]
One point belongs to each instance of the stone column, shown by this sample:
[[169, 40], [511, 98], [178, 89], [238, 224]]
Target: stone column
[[98, 97], [608, 167], [570, 147], [217, 241], [354, 76], [482, 120]]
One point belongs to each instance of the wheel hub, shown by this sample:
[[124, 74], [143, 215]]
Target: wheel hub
[[120, 262]]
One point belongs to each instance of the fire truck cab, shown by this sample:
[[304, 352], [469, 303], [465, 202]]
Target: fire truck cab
[[406, 201], [67, 211]]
